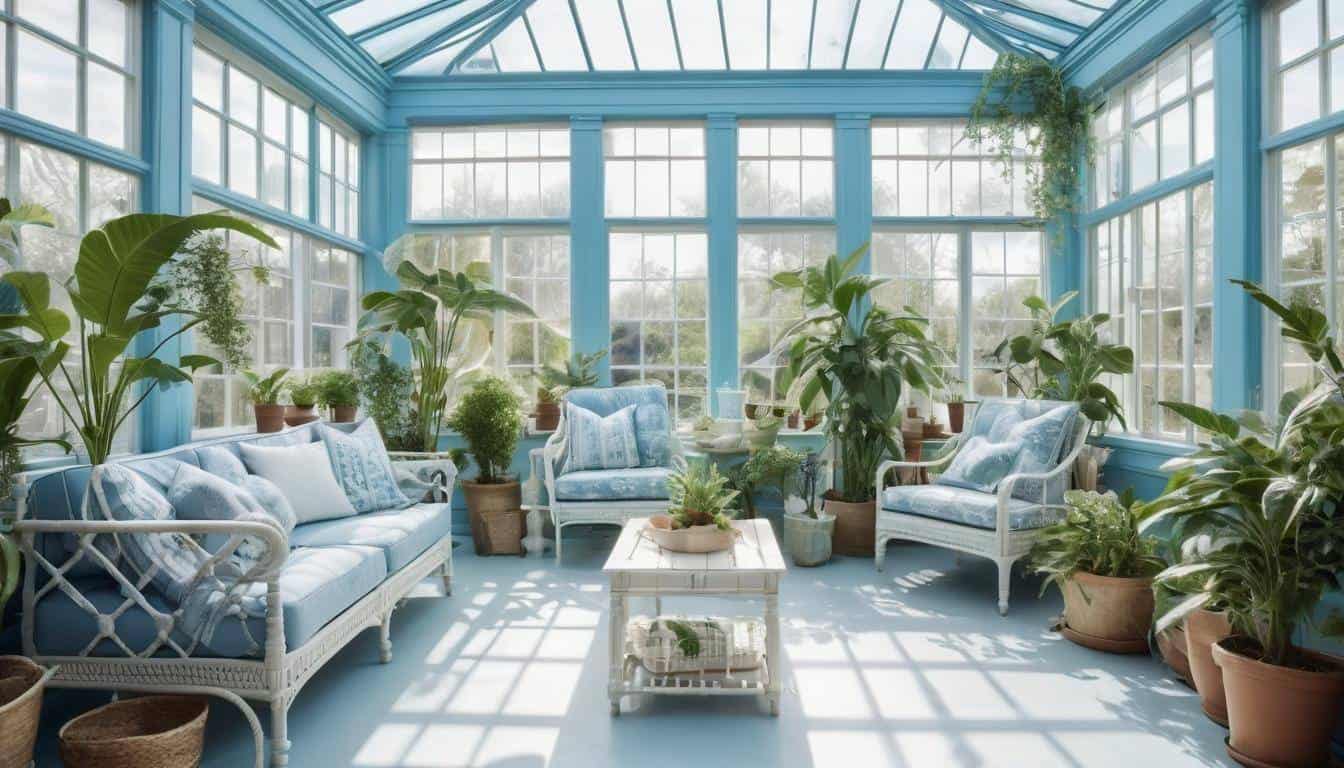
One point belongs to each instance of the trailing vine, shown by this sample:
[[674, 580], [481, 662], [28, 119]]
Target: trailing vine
[[1027, 96], [203, 278]]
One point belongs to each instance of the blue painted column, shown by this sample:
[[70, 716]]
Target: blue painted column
[[1237, 206], [166, 415], [589, 294], [854, 185], [721, 173], [386, 201]]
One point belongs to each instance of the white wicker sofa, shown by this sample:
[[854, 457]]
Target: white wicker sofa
[[108, 627], [1001, 524]]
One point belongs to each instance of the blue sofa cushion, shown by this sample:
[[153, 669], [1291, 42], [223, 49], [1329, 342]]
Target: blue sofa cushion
[[401, 534], [965, 507], [638, 484], [316, 585], [599, 442], [653, 421], [980, 465], [360, 463]]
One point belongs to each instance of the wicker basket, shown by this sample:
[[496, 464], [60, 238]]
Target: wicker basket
[[503, 531], [21, 686], [147, 732]]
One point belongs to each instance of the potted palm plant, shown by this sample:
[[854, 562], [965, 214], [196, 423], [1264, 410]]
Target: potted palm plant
[[338, 392], [861, 359], [808, 530], [489, 416], [1104, 568], [303, 396], [264, 393], [1261, 512], [579, 371]]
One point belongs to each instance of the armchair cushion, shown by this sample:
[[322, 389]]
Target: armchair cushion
[[1042, 436], [653, 421], [980, 465], [599, 442], [965, 507], [637, 484]]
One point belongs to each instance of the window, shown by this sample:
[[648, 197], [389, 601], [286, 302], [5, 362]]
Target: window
[[74, 66], [536, 270], [81, 195], [932, 169], [337, 180], [1157, 125], [1005, 271], [331, 304], [655, 171], [924, 271], [785, 170], [247, 135], [490, 172], [1305, 41]]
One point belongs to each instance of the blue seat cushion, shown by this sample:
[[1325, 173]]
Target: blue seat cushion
[[401, 534], [316, 585], [638, 484], [965, 507]]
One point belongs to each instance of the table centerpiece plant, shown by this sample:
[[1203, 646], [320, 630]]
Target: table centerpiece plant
[[699, 516]]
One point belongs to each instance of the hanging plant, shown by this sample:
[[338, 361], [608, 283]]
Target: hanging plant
[[1027, 97], [203, 278]]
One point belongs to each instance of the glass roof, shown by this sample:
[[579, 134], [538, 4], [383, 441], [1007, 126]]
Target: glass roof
[[446, 37]]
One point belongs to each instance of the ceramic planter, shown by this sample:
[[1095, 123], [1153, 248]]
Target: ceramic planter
[[1202, 630], [21, 686], [270, 418], [808, 539], [1280, 716], [855, 527], [698, 539], [344, 414], [300, 414], [483, 498], [547, 416], [1108, 613]]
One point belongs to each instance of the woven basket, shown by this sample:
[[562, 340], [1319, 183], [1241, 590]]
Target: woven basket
[[503, 530], [21, 686], [147, 732]]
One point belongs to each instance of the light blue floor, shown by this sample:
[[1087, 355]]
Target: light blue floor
[[913, 667]]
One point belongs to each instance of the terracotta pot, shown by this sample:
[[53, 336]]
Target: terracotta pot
[[932, 429], [1117, 610], [548, 416], [344, 414], [912, 411], [270, 418], [1202, 630], [1171, 643], [1279, 716], [485, 498], [795, 420], [808, 539], [855, 527], [300, 414], [21, 686], [810, 422], [956, 417]]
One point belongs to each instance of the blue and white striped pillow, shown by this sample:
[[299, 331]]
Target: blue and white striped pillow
[[596, 442]]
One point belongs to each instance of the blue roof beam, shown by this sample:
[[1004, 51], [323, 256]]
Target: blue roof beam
[[974, 23], [1039, 17], [488, 34]]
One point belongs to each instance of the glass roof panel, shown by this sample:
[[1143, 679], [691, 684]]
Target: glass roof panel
[[604, 31], [790, 27], [978, 55], [361, 16], [830, 33], [513, 49], [872, 31], [1074, 13], [699, 33], [1018, 21], [395, 41], [948, 49], [745, 24], [914, 33], [480, 62], [651, 31], [557, 38]]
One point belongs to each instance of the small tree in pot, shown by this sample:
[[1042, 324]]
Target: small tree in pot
[[490, 418]]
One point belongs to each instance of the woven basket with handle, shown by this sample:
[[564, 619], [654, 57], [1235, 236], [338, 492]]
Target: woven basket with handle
[[21, 686], [146, 732]]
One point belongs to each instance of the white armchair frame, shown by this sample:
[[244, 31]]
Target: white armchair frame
[[1002, 545]]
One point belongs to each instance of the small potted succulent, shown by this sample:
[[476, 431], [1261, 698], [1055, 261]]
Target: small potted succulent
[[579, 371], [699, 516], [264, 393], [489, 416], [303, 398], [808, 530], [338, 392]]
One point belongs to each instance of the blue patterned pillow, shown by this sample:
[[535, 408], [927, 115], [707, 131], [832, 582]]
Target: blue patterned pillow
[[653, 421], [980, 465], [359, 460], [198, 495], [598, 442], [1042, 442], [222, 462]]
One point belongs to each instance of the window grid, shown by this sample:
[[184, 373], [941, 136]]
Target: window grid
[[654, 171], [535, 268], [1305, 42], [785, 169], [924, 271], [338, 180], [1005, 271], [929, 168], [490, 172]]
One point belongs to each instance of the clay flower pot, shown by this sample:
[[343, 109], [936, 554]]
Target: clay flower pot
[[270, 418], [344, 414], [548, 416], [855, 531], [1171, 643], [1281, 716], [1202, 630], [1108, 613], [483, 498], [956, 417], [300, 414]]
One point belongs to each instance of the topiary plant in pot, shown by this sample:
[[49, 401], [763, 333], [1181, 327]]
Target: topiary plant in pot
[[338, 392], [1261, 512], [264, 393], [489, 416]]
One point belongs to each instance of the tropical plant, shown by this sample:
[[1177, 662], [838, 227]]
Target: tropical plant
[[1098, 535], [1025, 100], [699, 495], [113, 305], [490, 418], [579, 371], [774, 467], [265, 390], [860, 358], [12, 221], [430, 310], [336, 388], [203, 278], [1259, 510], [303, 391], [385, 389], [1063, 359]]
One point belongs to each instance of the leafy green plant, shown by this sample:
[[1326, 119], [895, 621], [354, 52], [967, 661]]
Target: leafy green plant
[[1063, 360], [490, 418], [771, 468], [687, 639], [385, 390], [699, 495], [1098, 535], [860, 358], [265, 390], [1259, 511], [336, 388], [579, 371], [303, 391], [203, 278], [1027, 97], [110, 292], [12, 221]]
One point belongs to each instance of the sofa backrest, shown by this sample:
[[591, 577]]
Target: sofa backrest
[[653, 419]]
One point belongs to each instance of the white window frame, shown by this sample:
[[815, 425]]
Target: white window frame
[[610, 157], [332, 183], [1274, 70], [503, 322], [802, 157], [1019, 204], [540, 160]]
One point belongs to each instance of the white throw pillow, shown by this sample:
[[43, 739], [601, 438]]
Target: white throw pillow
[[303, 474]]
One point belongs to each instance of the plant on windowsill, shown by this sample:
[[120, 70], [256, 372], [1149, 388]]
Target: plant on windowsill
[[699, 515], [303, 394], [264, 393], [489, 416], [579, 371], [338, 392], [1260, 514], [861, 359]]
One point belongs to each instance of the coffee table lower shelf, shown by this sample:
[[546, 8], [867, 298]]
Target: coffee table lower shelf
[[636, 680]]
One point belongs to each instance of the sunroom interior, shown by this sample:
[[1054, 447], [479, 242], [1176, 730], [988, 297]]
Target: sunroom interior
[[700, 264]]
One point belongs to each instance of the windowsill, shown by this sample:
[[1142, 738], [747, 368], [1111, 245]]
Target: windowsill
[[1151, 445]]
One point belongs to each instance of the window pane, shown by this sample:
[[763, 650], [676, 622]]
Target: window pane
[[109, 21], [207, 79], [46, 82], [206, 131], [242, 98], [1299, 94], [59, 17], [108, 95], [242, 161]]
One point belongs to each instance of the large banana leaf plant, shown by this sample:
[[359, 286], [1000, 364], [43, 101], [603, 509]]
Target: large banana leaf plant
[[859, 358], [431, 310], [1258, 511], [104, 382]]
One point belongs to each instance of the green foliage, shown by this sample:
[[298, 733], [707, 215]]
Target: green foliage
[[110, 292], [1257, 511], [202, 278], [774, 467], [1099, 535], [860, 359], [265, 390], [490, 418], [303, 391], [1063, 360], [579, 371], [12, 220], [699, 495], [336, 388], [688, 640], [1026, 96], [385, 389]]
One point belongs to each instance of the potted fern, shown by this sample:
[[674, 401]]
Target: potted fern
[[338, 392], [303, 397], [699, 517], [579, 371], [490, 418], [264, 394]]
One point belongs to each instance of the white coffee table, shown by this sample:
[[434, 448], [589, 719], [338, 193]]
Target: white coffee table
[[638, 567]]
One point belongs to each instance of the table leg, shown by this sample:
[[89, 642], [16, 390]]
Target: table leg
[[616, 650], [774, 659]]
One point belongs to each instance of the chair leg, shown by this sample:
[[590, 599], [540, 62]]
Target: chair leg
[[1005, 584], [446, 573], [880, 553], [385, 639], [279, 732], [558, 529]]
